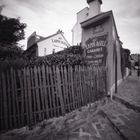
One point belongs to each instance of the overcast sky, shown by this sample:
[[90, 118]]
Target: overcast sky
[[47, 16]]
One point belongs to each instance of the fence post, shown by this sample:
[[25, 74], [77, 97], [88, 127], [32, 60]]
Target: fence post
[[59, 90], [106, 80], [29, 96], [5, 101]]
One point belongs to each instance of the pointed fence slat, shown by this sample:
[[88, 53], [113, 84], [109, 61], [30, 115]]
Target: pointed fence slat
[[22, 97], [45, 91], [16, 98], [1, 105], [9, 100], [13, 99], [72, 87], [41, 92], [56, 95], [26, 96], [52, 90], [34, 104], [66, 94], [5, 101], [49, 92], [62, 84], [81, 86], [75, 88], [60, 91], [29, 95]]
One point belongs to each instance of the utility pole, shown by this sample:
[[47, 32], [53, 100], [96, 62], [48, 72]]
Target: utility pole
[[138, 65]]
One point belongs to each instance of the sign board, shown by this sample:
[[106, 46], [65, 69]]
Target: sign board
[[96, 50], [97, 29]]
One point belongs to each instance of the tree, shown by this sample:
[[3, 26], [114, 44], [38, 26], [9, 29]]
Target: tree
[[126, 53], [11, 30]]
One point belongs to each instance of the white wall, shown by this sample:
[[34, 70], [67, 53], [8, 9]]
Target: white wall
[[77, 31], [83, 15], [56, 42]]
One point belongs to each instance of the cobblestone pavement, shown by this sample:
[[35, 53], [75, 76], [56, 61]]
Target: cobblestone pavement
[[103, 120], [129, 90], [88, 123]]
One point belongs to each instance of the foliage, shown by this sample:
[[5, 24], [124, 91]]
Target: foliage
[[15, 63], [11, 30], [58, 59], [10, 52], [135, 57], [127, 51], [126, 56], [73, 50], [137, 64], [70, 56]]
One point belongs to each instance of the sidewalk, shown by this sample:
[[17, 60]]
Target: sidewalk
[[103, 120], [129, 90], [124, 111], [125, 121]]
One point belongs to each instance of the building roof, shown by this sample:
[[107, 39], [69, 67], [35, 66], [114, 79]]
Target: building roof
[[58, 32]]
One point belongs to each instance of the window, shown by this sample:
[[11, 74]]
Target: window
[[44, 51], [53, 51]]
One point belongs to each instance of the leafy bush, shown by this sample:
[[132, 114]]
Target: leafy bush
[[16, 64], [70, 56], [58, 60], [10, 52], [11, 56], [73, 50]]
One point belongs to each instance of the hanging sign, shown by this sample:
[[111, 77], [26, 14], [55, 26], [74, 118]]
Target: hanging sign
[[96, 50]]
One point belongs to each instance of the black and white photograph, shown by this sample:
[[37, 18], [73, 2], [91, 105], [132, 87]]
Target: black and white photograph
[[69, 69]]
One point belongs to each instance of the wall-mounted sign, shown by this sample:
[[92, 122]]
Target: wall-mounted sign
[[59, 41], [97, 29], [96, 50]]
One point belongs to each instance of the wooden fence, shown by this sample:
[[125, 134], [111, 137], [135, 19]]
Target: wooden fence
[[30, 95]]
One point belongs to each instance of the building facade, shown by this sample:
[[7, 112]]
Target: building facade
[[42, 46], [103, 47], [93, 9], [97, 33]]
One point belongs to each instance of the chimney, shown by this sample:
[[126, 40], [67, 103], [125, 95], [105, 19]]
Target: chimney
[[94, 7]]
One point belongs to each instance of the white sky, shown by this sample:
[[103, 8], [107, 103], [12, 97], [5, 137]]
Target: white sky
[[47, 16]]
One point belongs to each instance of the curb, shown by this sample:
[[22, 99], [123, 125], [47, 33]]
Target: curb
[[116, 129], [127, 104]]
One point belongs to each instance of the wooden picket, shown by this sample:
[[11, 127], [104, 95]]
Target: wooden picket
[[35, 93]]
